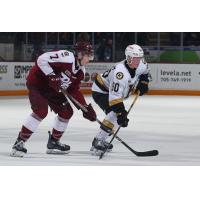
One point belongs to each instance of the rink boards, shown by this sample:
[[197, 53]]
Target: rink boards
[[167, 79]]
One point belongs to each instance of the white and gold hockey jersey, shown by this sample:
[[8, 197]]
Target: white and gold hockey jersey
[[120, 80]]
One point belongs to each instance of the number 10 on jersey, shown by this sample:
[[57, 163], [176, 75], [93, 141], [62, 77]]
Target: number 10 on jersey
[[115, 87]]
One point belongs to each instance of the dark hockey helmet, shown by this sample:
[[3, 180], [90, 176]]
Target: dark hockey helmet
[[84, 48]]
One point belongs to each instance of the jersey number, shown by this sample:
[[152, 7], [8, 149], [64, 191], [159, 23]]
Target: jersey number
[[115, 87]]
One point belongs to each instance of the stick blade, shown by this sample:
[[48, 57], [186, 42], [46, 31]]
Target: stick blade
[[147, 153]]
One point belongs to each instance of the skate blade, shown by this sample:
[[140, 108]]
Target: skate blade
[[56, 152], [16, 153]]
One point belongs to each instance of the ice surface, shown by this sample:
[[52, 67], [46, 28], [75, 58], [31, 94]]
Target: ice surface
[[170, 124]]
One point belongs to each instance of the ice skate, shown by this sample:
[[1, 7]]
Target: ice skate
[[18, 149], [98, 146], [55, 147]]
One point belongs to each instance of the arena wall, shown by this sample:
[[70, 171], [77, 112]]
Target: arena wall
[[166, 79]]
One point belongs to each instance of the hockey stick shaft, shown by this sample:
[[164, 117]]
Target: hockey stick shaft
[[83, 108]]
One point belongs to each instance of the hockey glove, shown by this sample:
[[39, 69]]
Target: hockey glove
[[65, 81], [57, 82], [122, 119], [90, 114], [54, 82], [142, 87]]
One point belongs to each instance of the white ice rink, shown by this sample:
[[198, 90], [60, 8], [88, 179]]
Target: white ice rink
[[170, 124]]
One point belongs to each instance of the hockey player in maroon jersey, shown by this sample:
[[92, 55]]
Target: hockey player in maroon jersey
[[55, 71]]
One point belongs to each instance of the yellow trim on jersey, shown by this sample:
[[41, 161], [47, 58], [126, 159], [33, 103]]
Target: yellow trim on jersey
[[108, 124], [145, 82], [115, 101], [100, 80]]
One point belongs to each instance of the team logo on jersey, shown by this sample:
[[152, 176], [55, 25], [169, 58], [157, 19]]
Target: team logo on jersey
[[119, 75]]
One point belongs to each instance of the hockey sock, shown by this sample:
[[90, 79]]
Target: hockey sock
[[29, 126], [56, 135], [25, 134], [59, 127], [109, 122]]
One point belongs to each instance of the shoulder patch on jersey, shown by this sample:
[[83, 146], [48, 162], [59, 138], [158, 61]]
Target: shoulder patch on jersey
[[119, 75]]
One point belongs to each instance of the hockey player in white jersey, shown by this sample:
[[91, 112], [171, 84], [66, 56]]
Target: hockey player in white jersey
[[112, 87]]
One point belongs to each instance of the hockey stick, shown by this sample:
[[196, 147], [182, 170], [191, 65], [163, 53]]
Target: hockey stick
[[137, 153]]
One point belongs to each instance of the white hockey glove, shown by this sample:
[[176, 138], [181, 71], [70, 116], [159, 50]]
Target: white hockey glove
[[65, 81]]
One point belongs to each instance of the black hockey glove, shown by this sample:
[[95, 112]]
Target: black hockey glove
[[142, 87], [122, 119], [91, 114]]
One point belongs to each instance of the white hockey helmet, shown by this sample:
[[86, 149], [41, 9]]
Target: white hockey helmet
[[132, 51]]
